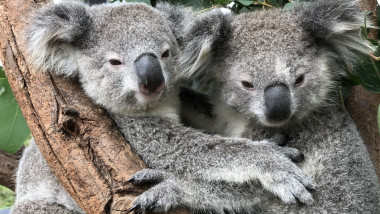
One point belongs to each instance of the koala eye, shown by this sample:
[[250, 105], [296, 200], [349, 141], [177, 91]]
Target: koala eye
[[247, 85], [115, 62], [165, 54], [299, 80]]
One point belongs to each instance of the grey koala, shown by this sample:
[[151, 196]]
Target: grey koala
[[125, 58], [279, 71]]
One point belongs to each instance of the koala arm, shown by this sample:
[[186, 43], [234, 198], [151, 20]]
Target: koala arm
[[166, 145], [174, 191], [37, 188]]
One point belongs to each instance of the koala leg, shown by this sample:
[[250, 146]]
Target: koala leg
[[37, 188]]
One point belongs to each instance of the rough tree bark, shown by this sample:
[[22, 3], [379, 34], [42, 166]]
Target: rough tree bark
[[8, 165], [80, 143]]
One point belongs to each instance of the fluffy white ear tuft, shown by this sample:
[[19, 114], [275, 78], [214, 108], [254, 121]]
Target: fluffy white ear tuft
[[54, 30], [337, 26], [207, 32]]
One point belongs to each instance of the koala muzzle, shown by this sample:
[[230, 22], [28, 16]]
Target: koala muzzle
[[149, 73], [277, 103]]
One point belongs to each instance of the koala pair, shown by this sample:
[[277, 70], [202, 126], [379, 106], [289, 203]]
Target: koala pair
[[278, 71], [125, 57]]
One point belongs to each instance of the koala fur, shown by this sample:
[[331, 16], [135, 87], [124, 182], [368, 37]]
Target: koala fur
[[125, 58], [278, 71]]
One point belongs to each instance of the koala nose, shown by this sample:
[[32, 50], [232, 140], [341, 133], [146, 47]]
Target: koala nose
[[277, 102], [149, 74]]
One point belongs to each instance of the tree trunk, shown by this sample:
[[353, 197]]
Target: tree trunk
[[82, 146], [8, 165]]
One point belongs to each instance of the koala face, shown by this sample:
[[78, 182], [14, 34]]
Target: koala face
[[281, 73], [276, 66], [128, 62], [124, 55]]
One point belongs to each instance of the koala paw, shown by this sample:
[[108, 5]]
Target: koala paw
[[147, 176], [160, 198], [289, 187], [279, 175], [291, 153]]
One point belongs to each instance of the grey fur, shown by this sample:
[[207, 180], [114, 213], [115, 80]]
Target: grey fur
[[75, 40], [37, 188], [277, 47]]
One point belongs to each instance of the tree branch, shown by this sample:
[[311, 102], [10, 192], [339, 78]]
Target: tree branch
[[8, 165]]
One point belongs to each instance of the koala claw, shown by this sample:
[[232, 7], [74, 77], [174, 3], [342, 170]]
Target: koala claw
[[146, 176], [160, 198], [133, 208], [289, 195], [130, 180], [288, 187]]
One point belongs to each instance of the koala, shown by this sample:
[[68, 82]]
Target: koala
[[279, 71], [125, 57]]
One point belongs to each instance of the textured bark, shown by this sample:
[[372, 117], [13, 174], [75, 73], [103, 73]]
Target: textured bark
[[363, 105], [80, 143], [8, 165]]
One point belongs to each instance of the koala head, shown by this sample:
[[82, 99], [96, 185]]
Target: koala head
[[124, 55], [275, 66]]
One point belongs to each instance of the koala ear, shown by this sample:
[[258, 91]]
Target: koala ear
[[178, 18], [204, 36], [52, 35], [336, 25]]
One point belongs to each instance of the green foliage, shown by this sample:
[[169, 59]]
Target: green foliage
[[13, 129], [367, 73], [142, 1], [7, 197]]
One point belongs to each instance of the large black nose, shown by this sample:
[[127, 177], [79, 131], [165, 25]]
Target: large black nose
[[277, 102], [149, 73]]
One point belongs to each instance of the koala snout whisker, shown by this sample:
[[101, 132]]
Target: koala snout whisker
[[277, 103], [149, 72]]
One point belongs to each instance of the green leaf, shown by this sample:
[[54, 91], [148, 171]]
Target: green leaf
[[368, 71], [377, 51], [353, 80], [141, 1], [289, 6], [2, 73], [13, 129], [245, 2], [244, 10], [7, 197], [373, 42], [275, 3]]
